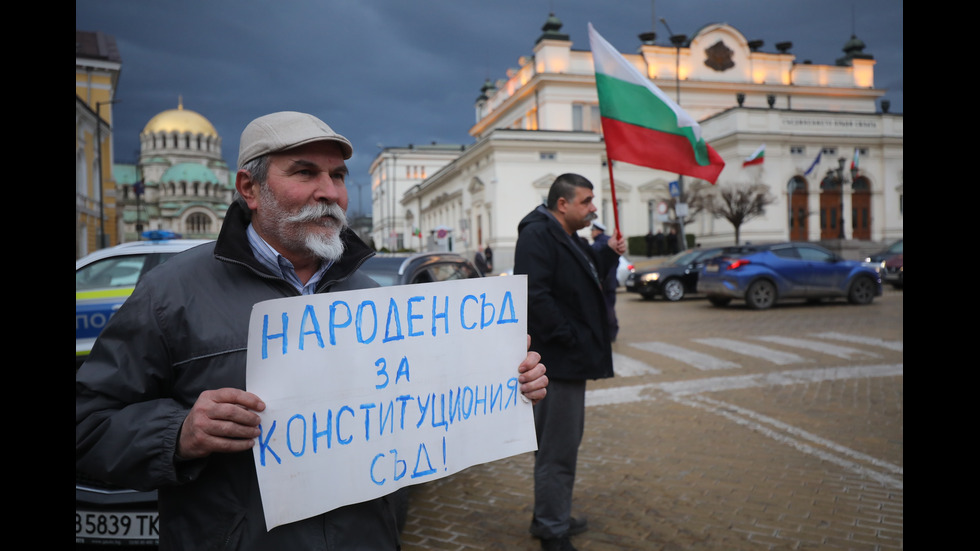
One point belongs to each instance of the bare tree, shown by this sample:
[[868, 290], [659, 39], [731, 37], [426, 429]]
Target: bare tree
[[738, 203]]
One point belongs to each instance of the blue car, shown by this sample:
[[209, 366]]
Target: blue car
[[765, 274]]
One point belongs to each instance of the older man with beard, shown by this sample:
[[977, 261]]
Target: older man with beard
[[160, 403]]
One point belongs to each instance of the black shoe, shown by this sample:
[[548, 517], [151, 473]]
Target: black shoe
[[575, 527], [557, 544]]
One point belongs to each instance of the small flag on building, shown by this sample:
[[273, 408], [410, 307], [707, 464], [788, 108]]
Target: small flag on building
[[854, 161], [815, 163], [756, 158]]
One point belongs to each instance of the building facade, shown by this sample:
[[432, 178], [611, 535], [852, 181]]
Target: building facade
[[97, 67], [181, 183], [396, 224], [543, 120]]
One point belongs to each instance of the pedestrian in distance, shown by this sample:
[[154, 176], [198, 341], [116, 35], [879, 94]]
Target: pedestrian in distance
[[609, 283], [481, 262], [661, 243], [568, 327], [488, 255], [160, 403], [673, 242]]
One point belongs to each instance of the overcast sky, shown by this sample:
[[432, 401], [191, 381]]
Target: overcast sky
[[396, 72]]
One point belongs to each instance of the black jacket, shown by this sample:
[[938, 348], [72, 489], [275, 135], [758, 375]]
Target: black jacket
[[566, 311], [185, 330]]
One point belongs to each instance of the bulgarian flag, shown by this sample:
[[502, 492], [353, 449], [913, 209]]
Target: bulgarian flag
[[854, 161], [641, 125], [756, 158]]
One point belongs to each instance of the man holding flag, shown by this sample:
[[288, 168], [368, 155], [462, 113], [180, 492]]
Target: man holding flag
[[568, 326]]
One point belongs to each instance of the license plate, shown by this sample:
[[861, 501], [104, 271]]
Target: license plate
[[117, 526], [711, 268]]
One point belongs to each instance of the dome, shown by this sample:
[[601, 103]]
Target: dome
[[180, 120]]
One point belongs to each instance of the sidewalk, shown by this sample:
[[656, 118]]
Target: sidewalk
[[809, 463]]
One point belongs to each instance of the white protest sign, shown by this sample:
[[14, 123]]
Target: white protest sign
[[372, 390]]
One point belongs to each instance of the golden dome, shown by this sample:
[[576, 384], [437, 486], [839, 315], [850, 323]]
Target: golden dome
[[180, 120]]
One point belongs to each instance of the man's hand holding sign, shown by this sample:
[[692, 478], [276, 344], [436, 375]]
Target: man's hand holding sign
[[369, 391]]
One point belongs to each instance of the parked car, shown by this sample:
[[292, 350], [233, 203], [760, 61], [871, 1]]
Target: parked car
[[763, 275], [106, 514], [674, 278], [106, 278], [881, 256], [406, 268], [894, 272]]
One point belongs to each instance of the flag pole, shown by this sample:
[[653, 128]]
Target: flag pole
[[612, 188]]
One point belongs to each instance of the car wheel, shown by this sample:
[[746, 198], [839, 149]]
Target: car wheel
[[761, 295], [673, 290], [862, 291], [719, 301]]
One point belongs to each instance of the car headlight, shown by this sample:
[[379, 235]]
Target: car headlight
[[652, 276]]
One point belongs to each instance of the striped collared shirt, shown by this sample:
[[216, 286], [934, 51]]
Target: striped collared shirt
[[278, 264]]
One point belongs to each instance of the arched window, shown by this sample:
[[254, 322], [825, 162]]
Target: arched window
[[198, 222], [797, 209]]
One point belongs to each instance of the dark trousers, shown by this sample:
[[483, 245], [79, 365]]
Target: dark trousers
[[560, 421]]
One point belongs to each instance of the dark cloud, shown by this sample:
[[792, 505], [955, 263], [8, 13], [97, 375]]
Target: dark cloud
[[397, 72]]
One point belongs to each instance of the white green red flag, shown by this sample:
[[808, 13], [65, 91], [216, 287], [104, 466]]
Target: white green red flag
[[756, 158], [641, 125], [854, 161]]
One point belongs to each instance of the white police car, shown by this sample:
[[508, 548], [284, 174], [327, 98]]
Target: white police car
[[106, 278], [105, 514]]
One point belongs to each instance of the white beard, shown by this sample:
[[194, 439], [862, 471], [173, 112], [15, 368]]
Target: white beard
[[327, 247]]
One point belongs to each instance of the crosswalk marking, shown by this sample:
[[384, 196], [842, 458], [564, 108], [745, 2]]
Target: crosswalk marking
[[749, 349], [891, 345], [695, 359], [843, 352], [624, 366]]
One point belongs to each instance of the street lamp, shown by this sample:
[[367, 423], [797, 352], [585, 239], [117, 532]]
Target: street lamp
[[836, 175], [678, 40], [840, 178], [98, 147]]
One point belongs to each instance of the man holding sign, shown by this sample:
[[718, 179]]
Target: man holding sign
[[161, 402]]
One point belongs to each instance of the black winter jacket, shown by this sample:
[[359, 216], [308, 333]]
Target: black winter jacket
[[566, 311], [185, 330]]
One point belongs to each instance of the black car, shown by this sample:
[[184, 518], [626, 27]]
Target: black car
[[675, 277], [881, 256], [407, 268]]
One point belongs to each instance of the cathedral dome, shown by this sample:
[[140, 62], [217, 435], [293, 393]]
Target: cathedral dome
[[180, 120]]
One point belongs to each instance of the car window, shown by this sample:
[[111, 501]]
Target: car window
[[814, 255], [423, 277], [446, 272], [786, 252], [118, 271], [896, 248]]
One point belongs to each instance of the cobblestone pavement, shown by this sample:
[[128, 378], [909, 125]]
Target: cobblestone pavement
[[724, 429]]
